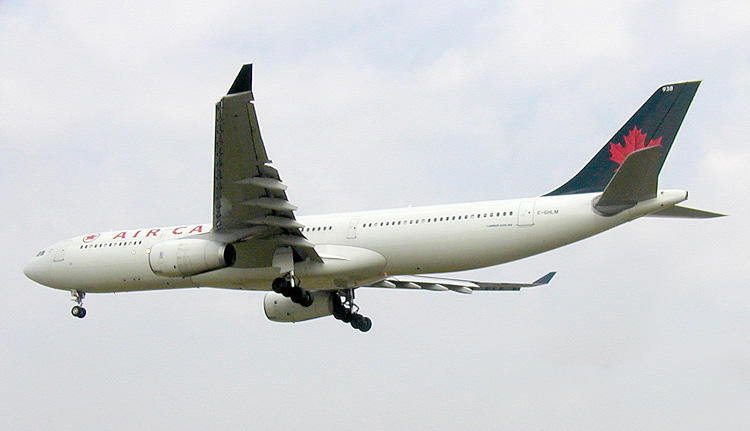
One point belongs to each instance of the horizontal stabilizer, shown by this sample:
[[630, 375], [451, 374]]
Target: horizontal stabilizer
[[685, 212], [635, 181]]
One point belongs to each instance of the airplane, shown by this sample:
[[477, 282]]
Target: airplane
[[312, 265]]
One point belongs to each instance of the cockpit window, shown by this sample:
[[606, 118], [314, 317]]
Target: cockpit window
[[41, 253]]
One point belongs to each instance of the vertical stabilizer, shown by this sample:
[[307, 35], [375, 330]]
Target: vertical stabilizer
[[655, 124]]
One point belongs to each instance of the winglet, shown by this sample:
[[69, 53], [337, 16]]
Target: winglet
[[545, 280], [244, 80]]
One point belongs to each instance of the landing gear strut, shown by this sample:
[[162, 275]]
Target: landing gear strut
[[288, 286], [78, 310], [347, 310]]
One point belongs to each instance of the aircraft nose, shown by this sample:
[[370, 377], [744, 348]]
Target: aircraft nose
[[35, 270], [31, 269]]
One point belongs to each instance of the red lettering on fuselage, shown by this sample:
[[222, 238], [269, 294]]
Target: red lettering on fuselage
[[180, 230], [198, 228]]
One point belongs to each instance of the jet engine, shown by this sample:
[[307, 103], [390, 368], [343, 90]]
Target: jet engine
[[279, 308], [190, 256]]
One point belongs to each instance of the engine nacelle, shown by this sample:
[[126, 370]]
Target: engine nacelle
[[279, 308], [190, 256]]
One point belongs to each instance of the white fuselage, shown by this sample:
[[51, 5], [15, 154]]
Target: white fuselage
[[357, 248]]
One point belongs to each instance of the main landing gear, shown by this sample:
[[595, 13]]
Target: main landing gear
[[78, 310], [288, 286], [347, 311]]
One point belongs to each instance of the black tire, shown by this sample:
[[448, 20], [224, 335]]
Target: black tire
[[366, 325], [278, 285], [339, 312], [358, 321], [348, 316], [296, 294], [78, 312], [307, 299]]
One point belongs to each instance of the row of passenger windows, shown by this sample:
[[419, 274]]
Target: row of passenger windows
[[417, 221], [111, 244], [438, 219], [317, 229]]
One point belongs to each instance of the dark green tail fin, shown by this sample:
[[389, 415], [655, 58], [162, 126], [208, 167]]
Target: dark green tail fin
[[655, 124]]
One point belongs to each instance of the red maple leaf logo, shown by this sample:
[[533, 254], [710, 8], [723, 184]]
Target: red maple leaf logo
[[90, 238], [635, 140]]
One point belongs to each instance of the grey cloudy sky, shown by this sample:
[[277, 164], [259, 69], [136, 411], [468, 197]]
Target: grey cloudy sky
[[106, 122]]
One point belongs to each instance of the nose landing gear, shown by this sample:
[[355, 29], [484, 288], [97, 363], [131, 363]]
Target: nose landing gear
[[348, 312], [78, 310]]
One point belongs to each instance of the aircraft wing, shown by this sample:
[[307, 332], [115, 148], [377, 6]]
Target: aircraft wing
[[250, 202], [460, 286]]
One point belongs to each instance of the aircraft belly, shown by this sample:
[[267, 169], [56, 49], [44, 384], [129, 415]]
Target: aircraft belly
[[342, 267]]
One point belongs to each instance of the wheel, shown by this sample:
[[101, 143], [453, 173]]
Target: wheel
[[296, 294], [337, 308], [348, 316], [366, 325], [78, 312], [278, 285], [306, 300], [339, 312], [358, 321]]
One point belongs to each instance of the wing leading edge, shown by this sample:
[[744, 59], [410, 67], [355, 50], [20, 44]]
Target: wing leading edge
[[460, 286]]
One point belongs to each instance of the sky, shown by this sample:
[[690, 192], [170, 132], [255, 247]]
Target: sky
[[106, 123]]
